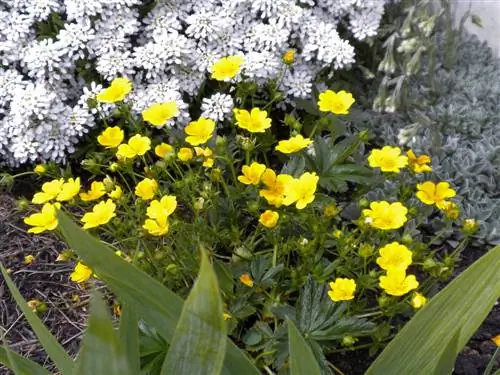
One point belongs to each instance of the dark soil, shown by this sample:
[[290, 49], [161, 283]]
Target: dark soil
[[45, 280]]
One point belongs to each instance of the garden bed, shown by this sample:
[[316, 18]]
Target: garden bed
[[67, 303]]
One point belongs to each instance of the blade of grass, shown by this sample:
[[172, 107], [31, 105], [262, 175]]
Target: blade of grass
[[20, 365], [100, 352], [54, 350], [199, 343], [152, 302], [128, 332], [302, 359]]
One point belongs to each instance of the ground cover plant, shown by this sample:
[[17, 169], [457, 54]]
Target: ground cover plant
[[279, 202]]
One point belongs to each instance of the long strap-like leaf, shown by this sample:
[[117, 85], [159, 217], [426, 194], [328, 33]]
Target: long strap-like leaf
[[157, 305], [20, 365], [199, 343], [55, 351], [302, 359]]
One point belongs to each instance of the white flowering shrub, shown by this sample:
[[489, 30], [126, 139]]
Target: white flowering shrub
[[51, 50]]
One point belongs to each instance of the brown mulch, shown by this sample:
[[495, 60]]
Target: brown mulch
[[45, 280]]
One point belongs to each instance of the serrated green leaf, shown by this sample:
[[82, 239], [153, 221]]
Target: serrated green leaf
[[128, 334], [345, 148], [464, 303], [54, 350], [20, 365], [152, 302], [199, 342], [302, 359], [100, 351]]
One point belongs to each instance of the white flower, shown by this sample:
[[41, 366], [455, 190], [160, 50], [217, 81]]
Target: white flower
[[217, 107]]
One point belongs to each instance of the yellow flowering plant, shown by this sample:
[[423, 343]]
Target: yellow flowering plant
[[296, 213]]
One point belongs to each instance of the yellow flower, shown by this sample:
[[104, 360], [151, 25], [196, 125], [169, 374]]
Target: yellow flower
[[450, 210], [40, 169], [200, 131], [50, 190], [226, 68], [116, 193], [101, 214], [185, 154], [111, 137], [255, 121], [29, 259], [146, 189], [301, 191], [269, 218], [418, 300], [394, 255], [384, 215], [496, 340], [163, 150], [137, 145], [157, 227], [342, 289], [97, 190], [293, 144], [252, 173], [81, 273], [116, 92], [159, 114], [431, 193], [207, 153], [44, 220], [69, 190], [397, 283], [388, 159], [289, 56], [247, 280], [419, 164], [227, 316], [274, 193], [337, 103], [164, 207]]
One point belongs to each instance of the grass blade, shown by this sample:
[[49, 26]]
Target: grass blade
[[199, 344], [152, 302], [54, 350], [100, 351], [302, 359], [128, 333], [20, 365], [464, 303]]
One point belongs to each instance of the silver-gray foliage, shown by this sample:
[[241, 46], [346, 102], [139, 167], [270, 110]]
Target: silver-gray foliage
[[459, 126]]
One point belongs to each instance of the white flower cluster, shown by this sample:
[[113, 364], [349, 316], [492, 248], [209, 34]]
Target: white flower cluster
[[166, 50]]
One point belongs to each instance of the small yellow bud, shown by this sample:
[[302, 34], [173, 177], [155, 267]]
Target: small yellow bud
[[40, 169], [247, 280], [29, 259], [289, 57]]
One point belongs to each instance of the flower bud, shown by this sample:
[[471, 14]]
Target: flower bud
[[365, 250], [289, 56], [407, 239], [348, 341], [470, 226]]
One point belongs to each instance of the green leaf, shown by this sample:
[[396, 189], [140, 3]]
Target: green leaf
[[302, 359], [446, 362], [128, 334], [54, 350], [152, 302], [20, 365], [464, 303], [345, 148], [199, 342], [100, 352]]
